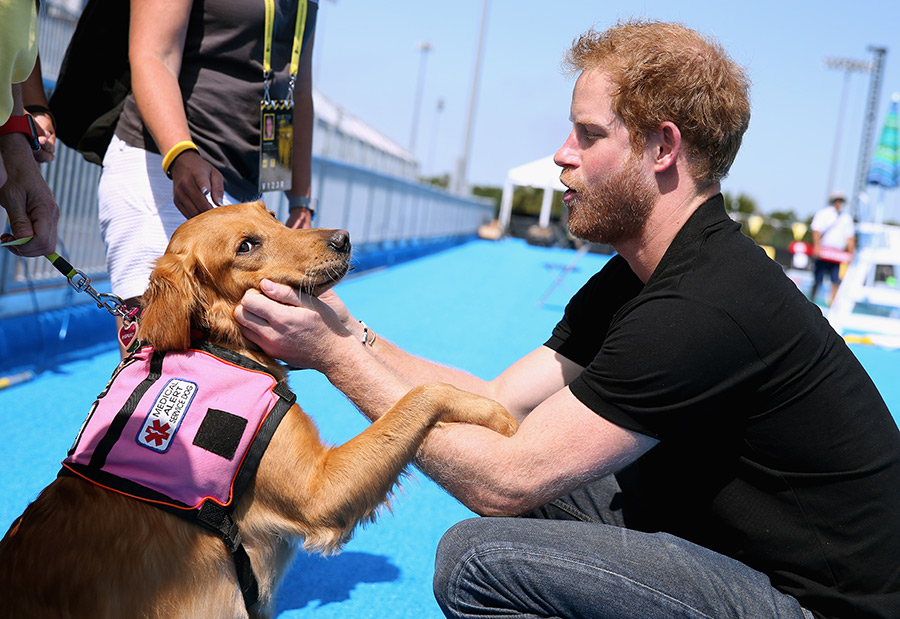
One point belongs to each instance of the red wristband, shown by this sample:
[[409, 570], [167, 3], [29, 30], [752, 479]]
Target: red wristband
[[22, 124]]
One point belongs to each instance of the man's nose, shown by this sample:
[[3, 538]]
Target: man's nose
[[565, 156]]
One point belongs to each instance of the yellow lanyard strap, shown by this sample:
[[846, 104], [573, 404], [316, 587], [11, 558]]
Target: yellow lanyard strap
[[298, 39]]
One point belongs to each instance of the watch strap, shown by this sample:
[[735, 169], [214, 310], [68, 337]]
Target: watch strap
[[301, 202]]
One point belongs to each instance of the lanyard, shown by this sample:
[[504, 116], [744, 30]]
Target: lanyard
[[295, 50]]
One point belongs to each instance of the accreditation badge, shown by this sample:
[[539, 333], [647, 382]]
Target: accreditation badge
[[276, 143]]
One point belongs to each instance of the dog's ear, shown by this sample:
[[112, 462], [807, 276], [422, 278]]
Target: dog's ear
[[168, 303]]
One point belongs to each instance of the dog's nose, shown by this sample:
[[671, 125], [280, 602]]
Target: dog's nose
[[340, 241]]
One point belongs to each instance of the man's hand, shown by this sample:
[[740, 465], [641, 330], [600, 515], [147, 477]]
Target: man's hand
[[330, 298], [27, 199], [193, 180], [295, 327]]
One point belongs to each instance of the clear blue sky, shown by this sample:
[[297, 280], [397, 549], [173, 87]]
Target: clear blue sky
[[367, 59]]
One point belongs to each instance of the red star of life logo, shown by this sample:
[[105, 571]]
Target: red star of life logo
[[157, 432]]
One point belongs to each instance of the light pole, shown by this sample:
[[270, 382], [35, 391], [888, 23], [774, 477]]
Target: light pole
[[458, 182], [848, 66], [424, 48], [865, 150], [434, 134]]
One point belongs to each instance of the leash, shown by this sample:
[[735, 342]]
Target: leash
[[82, 283]]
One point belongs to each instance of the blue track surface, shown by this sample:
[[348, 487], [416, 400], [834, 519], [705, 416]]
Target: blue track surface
[[473, 306]]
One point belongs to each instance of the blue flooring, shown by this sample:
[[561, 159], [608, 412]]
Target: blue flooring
[[474, 306]]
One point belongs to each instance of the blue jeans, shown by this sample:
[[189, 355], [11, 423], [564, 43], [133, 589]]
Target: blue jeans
[[574, 558]]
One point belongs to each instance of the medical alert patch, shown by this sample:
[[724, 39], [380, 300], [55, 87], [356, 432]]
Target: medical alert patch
[[166, 415]]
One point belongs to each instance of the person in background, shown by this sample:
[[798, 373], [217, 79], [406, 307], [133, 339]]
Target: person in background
[[695, 440], [834, 241], [34, 99], [189, 136], [29, 204]]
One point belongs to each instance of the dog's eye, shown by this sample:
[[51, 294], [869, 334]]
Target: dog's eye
[[247, 246]]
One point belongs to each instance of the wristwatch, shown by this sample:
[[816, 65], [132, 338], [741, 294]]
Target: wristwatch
[[22, 124], [302, 202]]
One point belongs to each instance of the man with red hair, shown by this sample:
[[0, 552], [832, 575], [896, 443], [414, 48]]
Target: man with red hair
[[695, 440]]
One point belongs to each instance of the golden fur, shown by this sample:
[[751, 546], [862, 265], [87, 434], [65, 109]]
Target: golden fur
[[81, 551]]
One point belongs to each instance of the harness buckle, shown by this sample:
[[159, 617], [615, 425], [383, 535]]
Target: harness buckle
[[233, 537]]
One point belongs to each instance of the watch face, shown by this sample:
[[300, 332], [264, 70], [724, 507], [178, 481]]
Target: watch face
[[33, 138]]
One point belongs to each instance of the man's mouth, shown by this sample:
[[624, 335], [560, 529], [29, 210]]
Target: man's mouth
[[570, 193]]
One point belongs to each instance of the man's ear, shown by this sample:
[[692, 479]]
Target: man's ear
[[664, 146]]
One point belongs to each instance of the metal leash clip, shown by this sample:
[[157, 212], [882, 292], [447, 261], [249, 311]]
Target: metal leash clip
[[82, 283]]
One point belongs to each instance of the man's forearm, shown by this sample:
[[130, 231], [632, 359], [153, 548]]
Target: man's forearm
[[417, 371], [370, 384], [456, 456]]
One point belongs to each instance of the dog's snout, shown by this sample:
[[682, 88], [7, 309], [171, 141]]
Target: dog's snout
[[340, 241]]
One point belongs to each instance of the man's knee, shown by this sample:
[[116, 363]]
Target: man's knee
[[455, 544]]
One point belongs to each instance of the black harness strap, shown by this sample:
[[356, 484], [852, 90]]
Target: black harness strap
[[218, 519], [286, 399], [98, 458]]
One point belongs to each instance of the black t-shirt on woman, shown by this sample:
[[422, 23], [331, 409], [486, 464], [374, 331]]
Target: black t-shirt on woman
[[221, 83]]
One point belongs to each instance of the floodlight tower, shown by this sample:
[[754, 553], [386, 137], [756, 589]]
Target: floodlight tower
[[848, 66], [865, 148], [458, 181], [424, 48]]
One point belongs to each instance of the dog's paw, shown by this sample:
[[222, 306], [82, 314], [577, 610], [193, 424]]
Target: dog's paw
[[490, 414], [499, 420], [465, 407]]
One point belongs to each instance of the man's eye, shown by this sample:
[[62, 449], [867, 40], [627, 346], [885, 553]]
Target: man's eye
[[247, 246]]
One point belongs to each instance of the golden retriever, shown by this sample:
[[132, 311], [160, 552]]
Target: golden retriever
[[84, 551]]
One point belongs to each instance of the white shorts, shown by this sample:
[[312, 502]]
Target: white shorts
[[137, 215]]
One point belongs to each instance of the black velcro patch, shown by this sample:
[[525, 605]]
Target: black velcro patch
[[220, 433]]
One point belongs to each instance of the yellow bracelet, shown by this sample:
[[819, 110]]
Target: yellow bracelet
[[173, 153]]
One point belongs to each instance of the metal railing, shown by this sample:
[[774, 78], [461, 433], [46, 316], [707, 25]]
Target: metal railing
[[378, 210], [381, 210]]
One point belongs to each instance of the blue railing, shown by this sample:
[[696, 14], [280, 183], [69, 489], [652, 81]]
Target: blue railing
[[389, 219]]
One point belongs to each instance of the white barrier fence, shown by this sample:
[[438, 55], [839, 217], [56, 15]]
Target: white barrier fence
[[381, 213]]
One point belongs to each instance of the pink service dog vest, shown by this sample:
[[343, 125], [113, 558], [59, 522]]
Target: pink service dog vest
[[177, 428], [184, 431]]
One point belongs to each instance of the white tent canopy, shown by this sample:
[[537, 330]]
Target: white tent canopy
[[540, 174]]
